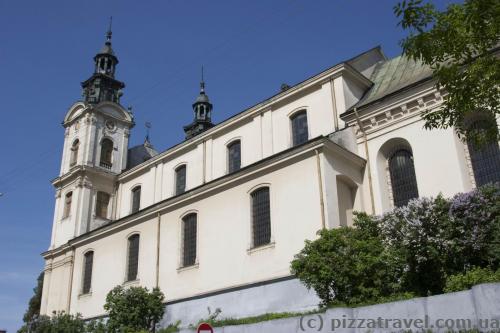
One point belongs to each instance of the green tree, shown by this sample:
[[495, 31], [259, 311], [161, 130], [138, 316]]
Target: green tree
[[348, 265], [459, 45], [134, 309], [34, 304]]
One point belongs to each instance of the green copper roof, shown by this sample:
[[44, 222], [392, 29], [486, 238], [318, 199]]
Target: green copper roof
[[392, 75]]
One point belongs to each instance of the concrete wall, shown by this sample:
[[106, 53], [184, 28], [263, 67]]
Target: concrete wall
[[472, 307]]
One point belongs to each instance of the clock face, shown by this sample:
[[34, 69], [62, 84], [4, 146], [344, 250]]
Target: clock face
[[110, 124]]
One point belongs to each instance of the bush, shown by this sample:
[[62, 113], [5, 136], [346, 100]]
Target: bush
[[412, 249], [348, 265], [60, 322], [470, 278], [134, 309]]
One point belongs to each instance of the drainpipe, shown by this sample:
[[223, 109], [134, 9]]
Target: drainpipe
[[320, 182], [370, 184], [158, 252]]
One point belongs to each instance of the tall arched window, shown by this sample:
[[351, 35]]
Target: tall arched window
[[88, 261], [485, 158], [261, 217], [180, 179], [133, 257], [189, 234], [101, 206], [234, 156], [67, 204], [300, 131], [136, 199], [403, 179], [74, 152], [106, 153]]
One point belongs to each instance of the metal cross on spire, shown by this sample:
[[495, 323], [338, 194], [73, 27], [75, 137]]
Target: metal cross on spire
[[202, 83], [109, 33]]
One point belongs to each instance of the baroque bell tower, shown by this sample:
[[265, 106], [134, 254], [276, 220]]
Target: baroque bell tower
[[95, 151]]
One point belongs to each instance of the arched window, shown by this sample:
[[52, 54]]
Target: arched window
[[261, 217], [74, 152], [189, 231], [136, 199], [234, 156], [133, 257], [88, 260], [300, 132], [67, 204], [102, 202], [403, 179], [180, 179], [485, 158], [106, 153]]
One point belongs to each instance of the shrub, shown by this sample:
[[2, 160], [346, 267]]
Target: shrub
[[60, 322], [348, 265], [410, 250], [134, 309], [467, 280]]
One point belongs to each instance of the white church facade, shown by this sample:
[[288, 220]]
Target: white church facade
[[215, 220]]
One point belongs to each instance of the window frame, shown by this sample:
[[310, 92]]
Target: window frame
[[73, 156], [127, 263], [229, 145], [84, 272], [398, 202], [104, 162], [133, 192], [252, 246], [176, 178], [182, 264], [291, 117], [106, 206], [67, 207]]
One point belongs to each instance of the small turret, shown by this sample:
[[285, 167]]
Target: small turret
[[202, 113]]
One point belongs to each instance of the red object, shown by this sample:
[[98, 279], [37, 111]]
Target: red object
[[204, 328]]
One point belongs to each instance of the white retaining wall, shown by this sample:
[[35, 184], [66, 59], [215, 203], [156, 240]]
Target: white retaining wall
[[473, 306]]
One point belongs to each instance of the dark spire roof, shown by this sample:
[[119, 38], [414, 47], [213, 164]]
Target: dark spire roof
[[202, 97], [202, 113]]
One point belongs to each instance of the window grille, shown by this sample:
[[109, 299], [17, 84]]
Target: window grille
[[485, 159], [300, 132], [189, 240], [403, 179], [234, 156], [87, 272], [261, 217], [133, 257], [101, 207], [136, 199], [180, 180]]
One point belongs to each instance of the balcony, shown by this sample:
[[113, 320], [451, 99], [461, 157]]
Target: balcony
[[105, 165]]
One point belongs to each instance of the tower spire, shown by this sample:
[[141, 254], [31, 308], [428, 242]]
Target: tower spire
[[109, 34], [202, 83]]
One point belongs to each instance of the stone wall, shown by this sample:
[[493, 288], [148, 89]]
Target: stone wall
[[471, 307]]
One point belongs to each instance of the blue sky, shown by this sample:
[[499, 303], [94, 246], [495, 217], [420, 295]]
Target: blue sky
[[248, 48]]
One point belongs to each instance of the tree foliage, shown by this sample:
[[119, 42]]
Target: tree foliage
[[134, 309], [34, 303], [458, 45], [472, 277], [411, 250], [348, 265]]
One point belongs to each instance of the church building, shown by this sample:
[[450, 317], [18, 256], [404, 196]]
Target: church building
[[215, 220]]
